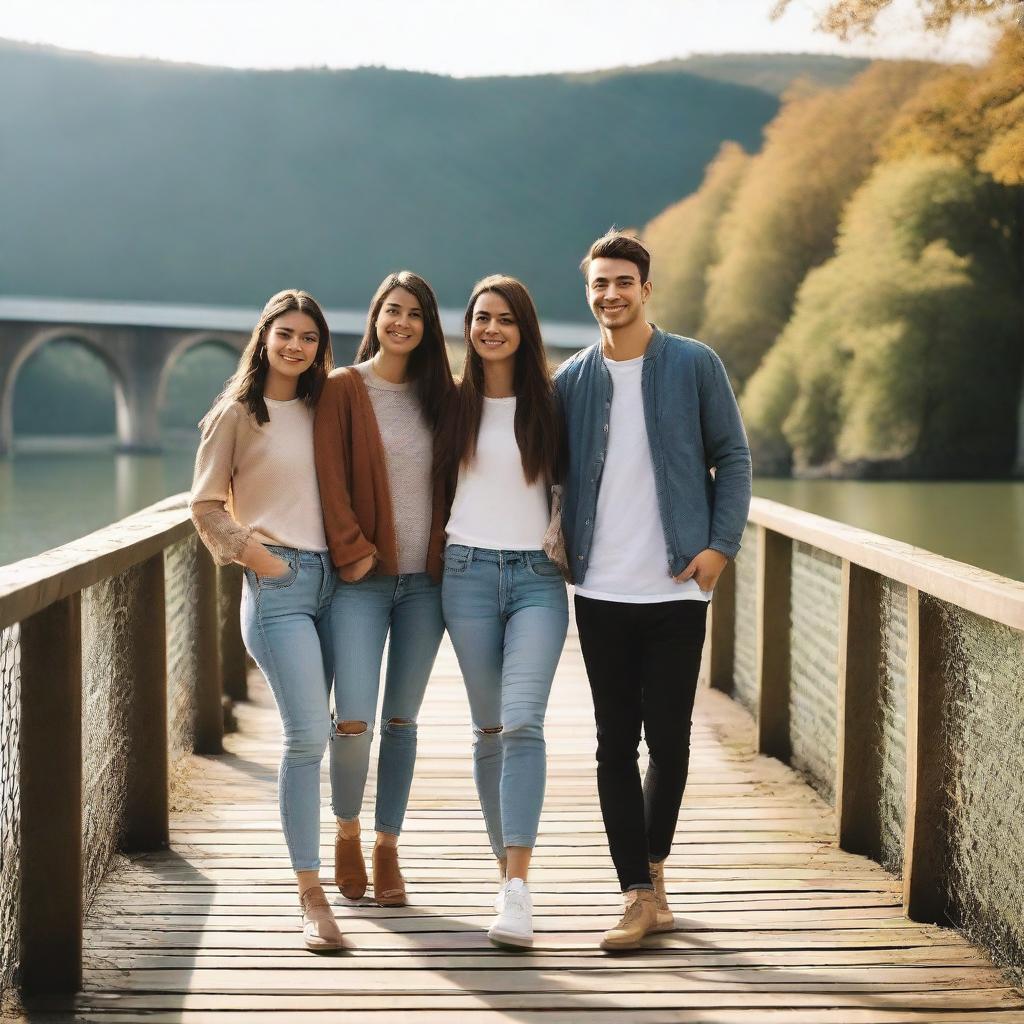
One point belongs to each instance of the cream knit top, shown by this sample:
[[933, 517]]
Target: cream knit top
[[258, 481], [408, 454]]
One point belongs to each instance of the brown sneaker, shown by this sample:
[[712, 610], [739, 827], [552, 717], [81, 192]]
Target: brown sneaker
[[639, 918], [388, 883], [666, 922], [320, 931], [349, 867]]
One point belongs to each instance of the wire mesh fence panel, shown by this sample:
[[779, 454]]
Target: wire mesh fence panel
[[107, 681], [745, 643], [984, 727], [180, 597], [814, 664], [10, 851], [892, 757]]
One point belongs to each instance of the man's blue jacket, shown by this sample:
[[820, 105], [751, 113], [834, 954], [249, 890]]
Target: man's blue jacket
[[693, 427]]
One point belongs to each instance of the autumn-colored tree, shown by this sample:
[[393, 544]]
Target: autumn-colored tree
[[977, 114], [783, 220], [684, 243], [847, 18], [905, 348]]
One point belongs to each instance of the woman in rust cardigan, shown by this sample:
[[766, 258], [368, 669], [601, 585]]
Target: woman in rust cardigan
[[384, 520]]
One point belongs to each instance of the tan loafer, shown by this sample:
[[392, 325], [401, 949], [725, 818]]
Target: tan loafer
[[639, 919], [320, 931], [388, 883], [349, 867]]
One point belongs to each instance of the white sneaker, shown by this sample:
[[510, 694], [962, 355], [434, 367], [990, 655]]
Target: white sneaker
[[513, 927], [500, 897]]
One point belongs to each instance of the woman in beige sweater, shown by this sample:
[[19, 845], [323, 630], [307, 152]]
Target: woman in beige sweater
[[255, 501]]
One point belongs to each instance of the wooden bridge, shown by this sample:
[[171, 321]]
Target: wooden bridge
[[783, 913]]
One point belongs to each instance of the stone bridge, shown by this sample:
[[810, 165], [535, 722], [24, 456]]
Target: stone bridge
[[140, 342]]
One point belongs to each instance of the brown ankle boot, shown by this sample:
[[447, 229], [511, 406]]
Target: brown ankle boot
[[666, 922], [388, 883], [639, 918], [320, 931], [349, 867]]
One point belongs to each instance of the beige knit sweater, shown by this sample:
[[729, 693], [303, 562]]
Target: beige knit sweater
[[408, 453], [258, 481]]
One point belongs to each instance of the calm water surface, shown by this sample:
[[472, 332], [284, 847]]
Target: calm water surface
[[978, 523], [48, 499]]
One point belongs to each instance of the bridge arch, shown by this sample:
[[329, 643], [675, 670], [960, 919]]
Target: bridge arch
[[230, 340], [88, 338]]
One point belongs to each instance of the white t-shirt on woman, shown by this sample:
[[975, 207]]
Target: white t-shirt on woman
[[494, 506]]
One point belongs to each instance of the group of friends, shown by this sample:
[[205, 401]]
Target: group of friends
[[386, 502]]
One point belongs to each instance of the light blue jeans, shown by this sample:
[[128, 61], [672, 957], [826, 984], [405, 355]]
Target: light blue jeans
[[286, 628], [507, 614], [361, 616]]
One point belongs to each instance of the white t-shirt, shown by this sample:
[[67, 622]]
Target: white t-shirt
[[494, 506], [628, 557]]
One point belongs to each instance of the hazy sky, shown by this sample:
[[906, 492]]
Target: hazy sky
[[461, 37]]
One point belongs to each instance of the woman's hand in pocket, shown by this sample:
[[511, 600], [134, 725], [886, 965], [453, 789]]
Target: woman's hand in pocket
[[358, 570], [263, 562]]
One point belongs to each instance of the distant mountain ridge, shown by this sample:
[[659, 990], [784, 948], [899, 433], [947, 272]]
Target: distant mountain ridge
[[771, 72], [136, 179]]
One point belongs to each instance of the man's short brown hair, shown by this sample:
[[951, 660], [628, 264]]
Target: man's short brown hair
[[617, 245]]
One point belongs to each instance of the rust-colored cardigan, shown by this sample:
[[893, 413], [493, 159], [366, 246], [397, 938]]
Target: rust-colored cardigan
[[353, 478]]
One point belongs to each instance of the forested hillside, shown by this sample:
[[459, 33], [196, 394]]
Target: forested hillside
[[142, 180], [862, 273]]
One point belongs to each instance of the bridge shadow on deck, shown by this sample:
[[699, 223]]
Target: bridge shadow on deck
[[775, 924]]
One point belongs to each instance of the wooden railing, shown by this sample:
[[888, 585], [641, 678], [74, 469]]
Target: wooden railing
[[42, 598], [932, 666]]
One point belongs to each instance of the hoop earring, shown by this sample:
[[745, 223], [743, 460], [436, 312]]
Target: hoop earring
[[264, 358]]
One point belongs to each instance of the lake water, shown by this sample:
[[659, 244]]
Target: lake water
[[47, 499]]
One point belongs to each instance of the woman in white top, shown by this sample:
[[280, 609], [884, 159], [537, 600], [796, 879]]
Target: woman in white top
[[255, 500], [504, 600]]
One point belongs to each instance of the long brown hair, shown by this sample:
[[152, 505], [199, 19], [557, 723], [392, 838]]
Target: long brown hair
[[428, 367], [248, 381], [537, 424]]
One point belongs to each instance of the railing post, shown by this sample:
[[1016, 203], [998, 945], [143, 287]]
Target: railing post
[[232, 649], [858, 712], [209, 712], [50, 783], [723, 630], [774, 580], [146, 801], [924, 847]]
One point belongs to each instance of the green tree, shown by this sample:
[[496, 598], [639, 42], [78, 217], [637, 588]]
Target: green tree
[[684, 243], [905, 347], [784, 217]]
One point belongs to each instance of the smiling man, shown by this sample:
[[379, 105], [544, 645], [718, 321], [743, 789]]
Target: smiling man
[[655, 500]]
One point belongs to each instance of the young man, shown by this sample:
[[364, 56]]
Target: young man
[[648, 530]]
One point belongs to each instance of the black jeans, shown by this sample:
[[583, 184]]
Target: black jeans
[[642, 661]]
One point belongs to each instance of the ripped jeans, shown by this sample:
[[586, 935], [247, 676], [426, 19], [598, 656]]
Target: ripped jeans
[[507, 614], [362, 615]]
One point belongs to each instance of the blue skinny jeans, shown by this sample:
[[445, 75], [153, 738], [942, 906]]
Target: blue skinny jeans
[[286, 628], [507, 614], [362, 615]]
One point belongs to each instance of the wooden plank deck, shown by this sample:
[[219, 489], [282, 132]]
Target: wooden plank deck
[[775, 924]]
